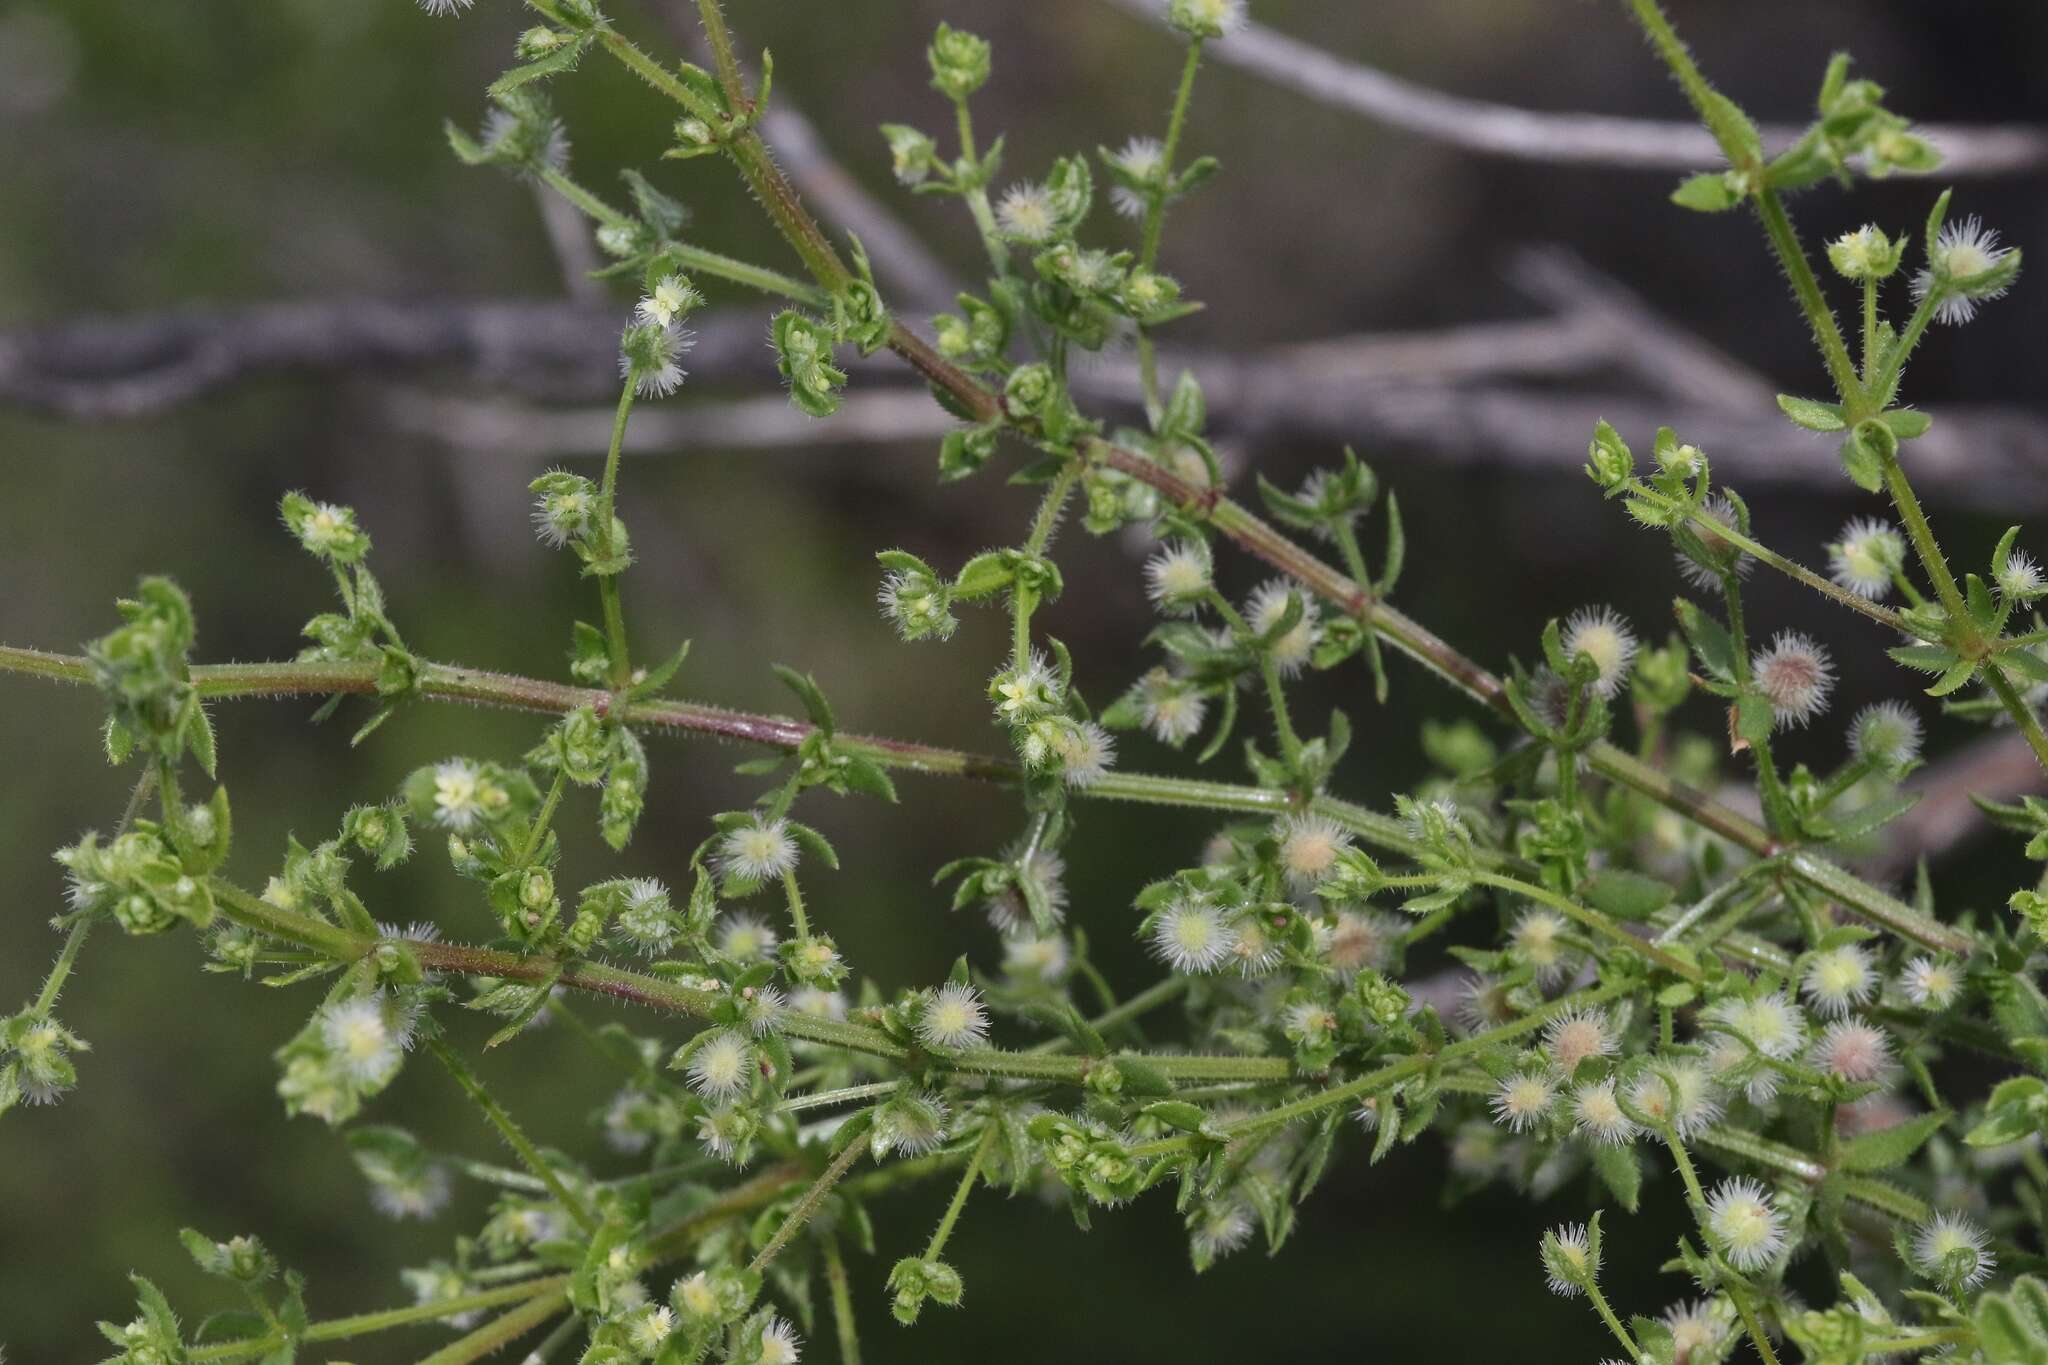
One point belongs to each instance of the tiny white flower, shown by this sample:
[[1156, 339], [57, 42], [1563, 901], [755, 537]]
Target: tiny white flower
[[1853, 1050], [650, 1329], [1220, 1229], [1538, 939], [722, 1067], [1953, 1247], [1597, 1115], [1932, 983], [1967, 266], [1084, 752], [1522, 1100], [1030, 956], [458, 794], [1140, 158], [780, 1344], [1177, 578], [1265, 610], [1360, 939], [1887, 733], [1026, 213], [670, 299], [651, 357], [1572, 1037], [1191, 937], [954, 1018], [745, 937], [819, 1003], [757, 850], [1692, 1108], [1696, 1328], [1718, 509], [441, 9], [361, 1039], [1171, 709], [1772, 1022], [1795, 675], [1865, 556], [1568, 1259], [1838, 979], [1309, 846], [2020, 577], [1744, 1225], [1603, 635]]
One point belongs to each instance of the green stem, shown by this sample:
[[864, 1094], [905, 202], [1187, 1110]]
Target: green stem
[[1827, 334], [795, 896], [1594, 920], [2021, 713], [694, 259], [808, 1205], [500, 1331], [843, 1323], [515, 1138], [67, 956], [1799, 573], [608, 583], [944, 1230], [1155, 208], [977, 196], [1758, 1337], [539, 829], [1606, 1313], [1880, 388], [822, 1099], [1932, 562], [362, 1324], [722, 57], [1389, 1075]]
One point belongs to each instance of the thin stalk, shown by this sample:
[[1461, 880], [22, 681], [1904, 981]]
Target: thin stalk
[[1176, 123], [1387, 1076], [1594, 920], [1827, 333], [821, 1099], [2022, 714], [977, 197], [608, 583], [362, 1324], [944, 1230], [1750, 1324], [1799, 573], [843, 1323], [500, 1331], [808, 1205], [795, 896], [1621, 1334], [1932, 562], [695, 259], [514, 1136]]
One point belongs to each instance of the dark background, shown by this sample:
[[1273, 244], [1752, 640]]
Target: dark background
[[155, 155]]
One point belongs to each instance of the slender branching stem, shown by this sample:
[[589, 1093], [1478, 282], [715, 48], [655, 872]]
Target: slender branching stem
[[515, 1137], [808, 1205]]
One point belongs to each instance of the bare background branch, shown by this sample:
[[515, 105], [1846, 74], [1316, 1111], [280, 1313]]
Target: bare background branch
[[1565, 139]]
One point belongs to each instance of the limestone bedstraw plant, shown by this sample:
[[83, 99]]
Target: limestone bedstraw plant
[[1656, 988]]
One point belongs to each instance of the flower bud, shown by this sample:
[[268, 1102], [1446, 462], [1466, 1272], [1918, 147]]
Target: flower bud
[[959, 62], [1200, 19]]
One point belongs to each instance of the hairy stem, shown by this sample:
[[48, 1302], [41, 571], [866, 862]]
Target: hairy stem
[[514, 1136]]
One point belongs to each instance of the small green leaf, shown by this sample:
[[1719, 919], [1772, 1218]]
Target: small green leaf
[[1889, 1147], [1707, 192], [1811, 414], [1626, 895]]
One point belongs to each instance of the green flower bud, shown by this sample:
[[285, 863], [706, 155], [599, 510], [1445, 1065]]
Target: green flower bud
[[959, 61]]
